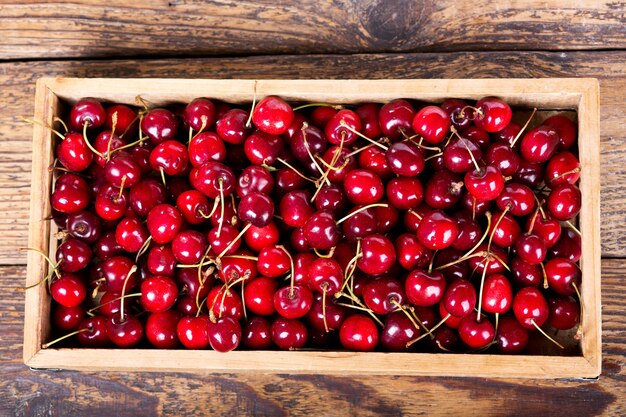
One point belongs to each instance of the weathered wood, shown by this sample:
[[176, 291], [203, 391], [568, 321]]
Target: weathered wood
[[26, 392], [182, 28], [17, 96]]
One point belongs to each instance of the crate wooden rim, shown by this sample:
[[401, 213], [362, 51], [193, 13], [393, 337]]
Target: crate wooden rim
[[553, 93]]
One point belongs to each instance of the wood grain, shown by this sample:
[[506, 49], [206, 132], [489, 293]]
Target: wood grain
[[102, 28], [25, 392], [18, 81]]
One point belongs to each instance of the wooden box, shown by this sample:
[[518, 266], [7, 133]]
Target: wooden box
[[580, 95]]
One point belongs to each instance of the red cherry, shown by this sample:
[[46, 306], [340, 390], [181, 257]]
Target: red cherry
[[293, 302], [131, 234], [443, 190], [295, 208], [159, 125], [529, 174], [530, 306], [340, 128], [503, 157], [405, 158], [511, 337], [411, 253], [256, 208], [145, 195], [199, 114], [259, 295], [476, 333], [257, 333], [164, 222], [519, 199], [568, 246], [497, 294], [359, 333], [116, 271], [232, 128], [547, 228], [289, 334], [469, 232], [161, 261], [67, 319], [457, 155], [566, 129], [205, 147], [324, 275], [564, 202], [378, 255], [454, 107], [193, 331], [459, 299], [432, 123], [425, 289], [525, 274], [397, 332], [363, 187], [485, 184], [254, 178], [224, 334], [87, 111], [503, 230], [331, 316], [383, 295], [73, 152], [189, 247], [437, 231], [272, 115], [126, 332], [110, 203], [210, 177], [369, 115], [539, 144], [161, 329], [492, 114], [126, 118], [158, 293], [259, 237], [73, 255], [68, 290], [321, 231], [564, 312], [395, 119], [224, 303], [562, 168], [563, 276], [96, 336], [263, 148], [84, 225]]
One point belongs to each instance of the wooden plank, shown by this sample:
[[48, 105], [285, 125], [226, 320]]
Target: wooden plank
[[35, 29], [25, 392], [17, 96]]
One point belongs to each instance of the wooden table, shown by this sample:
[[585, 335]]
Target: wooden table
[[322, 39]]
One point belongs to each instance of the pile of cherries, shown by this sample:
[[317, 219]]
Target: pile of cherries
[[394, 227]]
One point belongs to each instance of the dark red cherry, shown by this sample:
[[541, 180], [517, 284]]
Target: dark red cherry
[[518, 198], [477, 135], [525, 274], [159, 125], [432, 123], [332, 198], [67, 319], [87, 111], [503, 157], [164, 222], [508, 135], [383, 295], [494, 260], [539, 144], [193, 332], [360, 223], [73, 255], [566, 129], [293, 302], [405, 158], [272, 115], [96, 334], [321, 115], [504, 230], [564, 202], [124, 332], [332, 314], [263, 148], [256, 208], [368, 113], [298, 122], [125, 118], [492, 114], [395, 119], [205, 147], [529, 174], [190, 284], [254, 178], [189, 247], [455, 268], [563, 276], [106, 247], [473, 206], [289, 334], [73, 153], [387, 217], [437, 231], [476, 333], [224, 334], [321, 230], [568, 246], [122, 171], [511, 336], [485, 184], [443, 190], [445, 339], [145, 195], [378, 255], [470, 232], [359, 332], [547, 228], [454, 107], [497, 294], [340, 128], [397, 332], [459, 299], [343, 164], [232, 128], [295, 208], [84, 225], [161, 329], [257, 333], [425, 289], [564, 312], [411, 253], [307, 141], [200, 114], [530, 307], [211, 177], [457, 155], [286, 179]]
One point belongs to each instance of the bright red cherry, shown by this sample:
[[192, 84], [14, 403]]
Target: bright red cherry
[[432, 123], [73, 255], [87, 111], [411, 253], [224, 334], [289, 334], [161, 329], [164, 222], [504, 230], [232, 128], [503, 157], [363, 187], [199, 114], [259, 295], [425, 289], [293, 302], [562, 168], [205, 147], [125, 118], [73, 152], [476, 333], [539, 144], [564, 202], [159, 125], [126, 332], [257, 333], [383, 295], [321, 230], [369, 115], [457, 155], [272, 115], [341, 127], [437, 231], [395, 119], [189, 247], [212, 177], [131, 234], [193, 331], [359, 332], [564, 312], [497, 294], [563, 276], [69, 290], [492, 114], [519, 199], [459, 299], [378, 255], [405, 158], [530, 307], [158, 293], [485, 184]]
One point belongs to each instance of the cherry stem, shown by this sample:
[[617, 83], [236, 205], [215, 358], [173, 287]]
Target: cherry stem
[[99, 283], [405, 311], [361, 135], [422, 325], [89, 145], [462, 112], [546, 334], [365, 309], [493, 232], [433, 156], [324, 287], [130, 272], [305, 125], [52, 264], [131, 125], [325, 174], [571, 171], [121, 148], [119, 196], [532, 221], [579, 330], [574, 228], [243, 300], [462, 140], [35, 122], [519, 134], [143, 102], [435, 327], [74, 333], [249, 121], [300, 174], [369, 206], [213, 210], [304, 106], [232, 242], [291, 284], [546, 285], [351, 266], [200, 305], [163, 176], [357, 151], [331, 167], [420, 145], [58, 119], [470, 253], [205, 122], [220, 181], [91, 310], [480, 292]]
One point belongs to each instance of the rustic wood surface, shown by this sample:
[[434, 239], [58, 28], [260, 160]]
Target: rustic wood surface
[[361, 39]]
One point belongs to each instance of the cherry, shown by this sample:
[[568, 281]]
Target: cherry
[[164, 222], [343, 163], [539, 144], [87, 111], [491, 258], [187, 305], [126, 332], [237, 266], [424, 289], [563, 276], [530, 307], [106, 143], [369, 115], [363, 187], [205, 147], [272, 115], [564, 312], [256, 208], [199, 114], [325, 315], [169, 156], [106, 247], [564, 202], [96, 335], [454, 107], [67, 319], [131, 234], [518, 198], [263, 148], [71, 194], [321, 115], [293, 302], [525, 274], [254, 178], [359, 332], [259, 295], [547, 228], [361, 223], [259, 237], [289, 334], [432, 123], [503, 157], [331, 197], [397, 332], [378, 255], [224, 302], [161, 261], [145, 195], [511, 336], [307, 141], [485, 184], [437, 231], [324, 275], [232, 128], [159, 125], [295, 208], [456, 268], [161, 329], [405, 158], [341, 127], [411, 253], [459, 299], [387, 217], [473, 205], [286, 179], [193, 332], [477, 135], [566, 129], [125, 118], [503, 230], [395, 119], [375, 160], [193, 206], [508, 135], [84, 225], [383, 295], [459, 155], [562, 168], [257, 333], [497, 294], [68, 290], [73, 255], [443, 190], [111, 204], [568, 246], [158, 293], [476, 333], [192, 285], [469, 232], [73, 152], [529, 174], [444, 339], [212, 177], [224, 334], [189, 247], [492, 114], [321, 230]]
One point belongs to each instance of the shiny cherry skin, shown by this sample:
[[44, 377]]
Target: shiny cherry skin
[[257, 238], [161, 329], [263, 148], [405, 193], [411, 253], [459, 270], [562, 168], [564, 312], [518, 198], [405, 159], [437, 230], [321, 230], [340, 128], [360, 224], [124, 332], [395, 118], [256, 208], [84, 225], [161, 261], [568, 246], [106, 247], [73, 153], [289, 334], [158, 293], [494, 260], [325, 275], [68, 290], [205, 147], [200, 114], [547, 228], [224, 303], [159, 125], [96, 335], [170, 156], [566, 129], [454, 107], [503, 157], [476, 333], [359, 332], [232, 128], [131, 234], [497, 294], [504, 230], [73, 255], [254, 178], [492, 114], [189, 284], [273, 261], [293, 303], [369, 115], [529, 174], [331, 197], [459, 299], [193, 332], [424, 289], [397, 332], [110, 203], [67, 319], [189, 246], [257, 333], [378, 255], [309, 140], [224, 334], [375, 160], [443, 190], [225, 240], [363, 187], [457, 155], [70, 199], [295, 208], [145, 195], [432, 123], [477, 135], [525, 274], [539, 144], [332, 314], [122, 171], [320, 116], [343, 163], [511, 337], [272, 115], [485, 184], [125, 118], [193, 206], [383, 295], [564, 202], [211, 177], [508, 135], [470, 232], [530, 307], [563, 275], [87, 111], [164, 222], [259, 295]]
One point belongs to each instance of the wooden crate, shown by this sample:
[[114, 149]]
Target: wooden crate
[[580, 95]]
